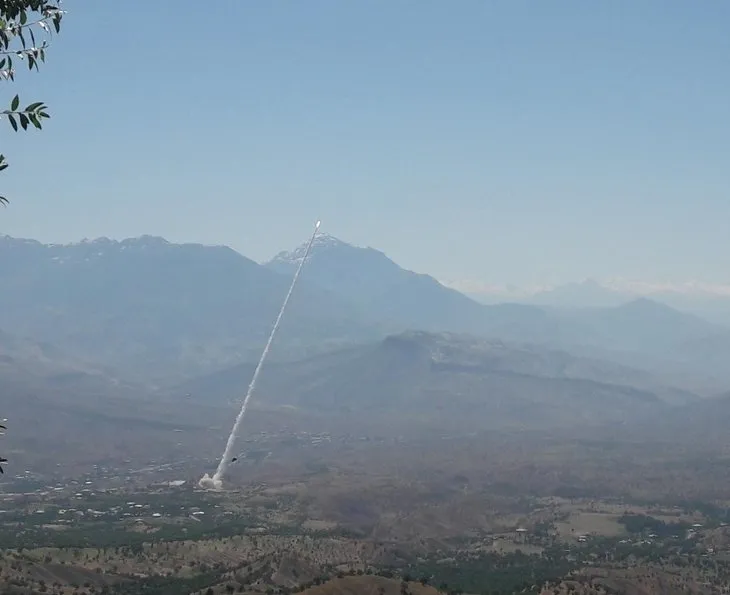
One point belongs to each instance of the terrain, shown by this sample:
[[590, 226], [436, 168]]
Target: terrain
[[148, 310], [480, 514], [402, 439], [455, 381]]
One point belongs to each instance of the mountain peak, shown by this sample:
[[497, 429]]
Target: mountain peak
[[323, 242], [645, 304]]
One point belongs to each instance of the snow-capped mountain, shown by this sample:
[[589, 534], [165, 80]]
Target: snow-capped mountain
[[160, 309], [148, 305], [322, 241], [369, 278]]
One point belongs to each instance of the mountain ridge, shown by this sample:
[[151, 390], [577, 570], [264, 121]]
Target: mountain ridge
[[452, 378], [371, 279], [148, 303], [161, 311]]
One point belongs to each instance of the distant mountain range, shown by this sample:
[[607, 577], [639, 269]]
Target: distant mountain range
[[121, 344], [369, 279], [154, 309], [709, 301], [149, 310]]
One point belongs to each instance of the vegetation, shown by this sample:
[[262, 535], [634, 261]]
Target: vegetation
[[2, 459], [495, 574], [20, 21], [642, 523], [116, 542]]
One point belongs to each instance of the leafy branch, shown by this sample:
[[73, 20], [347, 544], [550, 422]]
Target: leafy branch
[[16, 29], [19, 19], [32, 114]]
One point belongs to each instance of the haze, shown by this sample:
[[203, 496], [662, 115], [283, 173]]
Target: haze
[[490, 143], [504, 368]]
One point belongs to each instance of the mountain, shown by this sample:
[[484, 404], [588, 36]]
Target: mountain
[[153, 309], [148, 310], [452, 380], [406, 300], [29, 365], [584, 294], [368, 278], [642, 325]]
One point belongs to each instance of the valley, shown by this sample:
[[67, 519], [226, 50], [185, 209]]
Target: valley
[[370, 519], [403, 438]]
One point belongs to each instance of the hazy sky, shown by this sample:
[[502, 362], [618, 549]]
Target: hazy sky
[[504, 142]]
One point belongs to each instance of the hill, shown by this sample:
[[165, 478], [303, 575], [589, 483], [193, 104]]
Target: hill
[[149, 310], [584, 294], [367, 277], [643, 325], [420, 378], [405, 300], [683, 348], [370, 585], [153, 309]]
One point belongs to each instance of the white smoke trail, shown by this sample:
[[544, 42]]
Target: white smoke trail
[[215, 482]]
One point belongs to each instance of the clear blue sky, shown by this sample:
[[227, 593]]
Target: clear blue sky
[[511, 141]]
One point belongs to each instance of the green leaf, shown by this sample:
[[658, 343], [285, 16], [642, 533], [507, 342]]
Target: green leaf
[[13, 123], [15, 103], [34, 106], [23, 17], [35, 120], [24, 121]]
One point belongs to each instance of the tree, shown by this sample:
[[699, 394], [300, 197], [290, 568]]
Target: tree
[[20, 20], [2, 459]]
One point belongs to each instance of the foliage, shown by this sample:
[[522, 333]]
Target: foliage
[[641, 523], [496, 574], [20, 20], [159, 585], [2, 459]]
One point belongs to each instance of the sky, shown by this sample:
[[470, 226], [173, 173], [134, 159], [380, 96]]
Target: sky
[[488, 142]]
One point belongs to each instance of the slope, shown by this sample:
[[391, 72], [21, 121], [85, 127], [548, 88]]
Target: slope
[[370, 585], [155, 309], [448, 380], [407, 300], [644, 325], [367, 277]]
